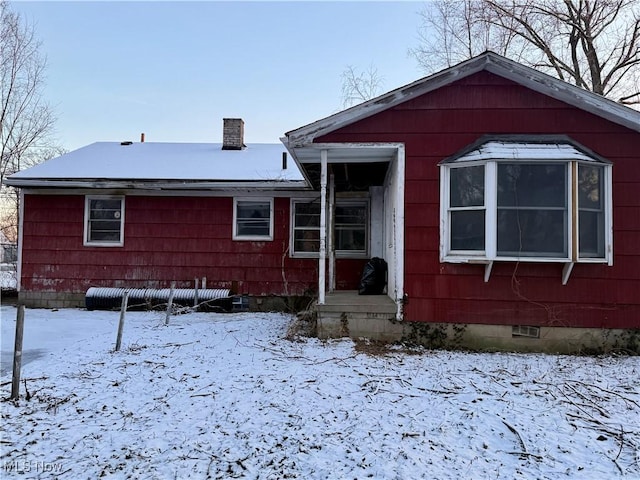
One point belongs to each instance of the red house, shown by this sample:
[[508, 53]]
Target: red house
[[495, 194]]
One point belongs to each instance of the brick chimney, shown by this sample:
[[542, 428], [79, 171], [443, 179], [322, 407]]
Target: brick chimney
[[233, 134]]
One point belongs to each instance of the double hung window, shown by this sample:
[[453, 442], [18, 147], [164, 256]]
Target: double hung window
[[253, 219], [104, 221], [351, 228]]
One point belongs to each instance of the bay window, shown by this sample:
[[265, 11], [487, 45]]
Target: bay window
[[526, 202]]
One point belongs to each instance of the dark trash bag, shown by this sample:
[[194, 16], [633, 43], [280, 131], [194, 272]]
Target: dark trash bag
[[374, 277]]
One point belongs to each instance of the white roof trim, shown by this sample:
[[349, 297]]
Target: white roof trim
[[525, 147], [491, 62], [157, 185], [496, 150]]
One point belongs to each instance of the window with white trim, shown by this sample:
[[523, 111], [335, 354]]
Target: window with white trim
[[351, 228], [104, 221], [526, 202], [252, 219]]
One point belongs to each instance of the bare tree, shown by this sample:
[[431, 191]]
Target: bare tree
[[594, 44], [360, 86], [26, 120]]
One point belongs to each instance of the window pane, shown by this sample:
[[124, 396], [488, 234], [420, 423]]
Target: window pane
[[467, 230], [467, 186], [351, 228], [590, 187], [253, 218], [307, 214], [532, 233], [591, 234], [532, 185], [350, 239], [591, 211], [306, 240], [104, 223]]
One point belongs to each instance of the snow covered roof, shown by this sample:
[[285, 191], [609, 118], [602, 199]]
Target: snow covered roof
[[487, 61], [525, 151], [186, 163], [521, 150]]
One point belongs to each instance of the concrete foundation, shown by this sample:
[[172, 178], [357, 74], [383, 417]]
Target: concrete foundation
[[51, 299], [345, 314]]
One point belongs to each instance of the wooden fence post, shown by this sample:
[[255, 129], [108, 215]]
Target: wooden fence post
[[17, 354], [170, 304], [123, 310], [195, 298]]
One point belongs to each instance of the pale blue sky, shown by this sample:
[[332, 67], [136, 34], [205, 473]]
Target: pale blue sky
[[174, 69]]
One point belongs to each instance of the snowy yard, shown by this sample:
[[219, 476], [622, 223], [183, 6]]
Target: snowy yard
[[226, 396]]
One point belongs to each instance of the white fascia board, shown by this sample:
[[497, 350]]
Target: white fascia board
[[156, 185], [500, 150], [246, 192], [292, 152]]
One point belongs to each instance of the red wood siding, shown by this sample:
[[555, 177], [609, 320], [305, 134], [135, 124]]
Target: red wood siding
[[437, 125], [165, 239]]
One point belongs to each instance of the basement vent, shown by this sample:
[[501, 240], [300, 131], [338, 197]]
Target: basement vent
[[524, 331]]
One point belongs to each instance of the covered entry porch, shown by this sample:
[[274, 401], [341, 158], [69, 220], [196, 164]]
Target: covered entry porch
[[347, 172]]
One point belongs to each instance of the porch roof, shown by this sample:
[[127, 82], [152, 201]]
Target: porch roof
[[355, 166]]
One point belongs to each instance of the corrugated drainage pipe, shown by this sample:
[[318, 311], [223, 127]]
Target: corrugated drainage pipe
[[107, 298]]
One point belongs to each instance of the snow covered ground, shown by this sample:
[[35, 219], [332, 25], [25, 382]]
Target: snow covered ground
[[226, 396]]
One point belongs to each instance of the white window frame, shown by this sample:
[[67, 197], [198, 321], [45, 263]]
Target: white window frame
[[235, 235], [87, 214], [292, 230], [489, 255], [339, 253]]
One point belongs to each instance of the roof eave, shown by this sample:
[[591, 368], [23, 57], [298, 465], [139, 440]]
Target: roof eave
[[155, 184], [490, 61], [292, 151]]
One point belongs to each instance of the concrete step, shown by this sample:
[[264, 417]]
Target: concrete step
[[350, 301]]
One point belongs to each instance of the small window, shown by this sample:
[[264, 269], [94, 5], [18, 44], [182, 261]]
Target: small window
[[525, 331], [104, 221], [253, 219], [351, 228]]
